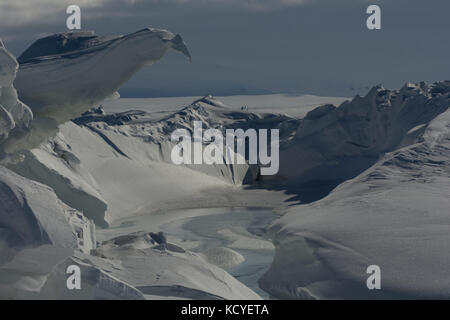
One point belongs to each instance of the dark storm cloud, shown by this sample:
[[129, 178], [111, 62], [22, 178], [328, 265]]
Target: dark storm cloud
[[320, 47]]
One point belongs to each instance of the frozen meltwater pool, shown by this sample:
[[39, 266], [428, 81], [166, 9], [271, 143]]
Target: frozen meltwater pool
[[212, 232]]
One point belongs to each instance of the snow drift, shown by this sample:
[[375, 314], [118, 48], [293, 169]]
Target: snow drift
[[134, 266], [394, 214], [165, 269]]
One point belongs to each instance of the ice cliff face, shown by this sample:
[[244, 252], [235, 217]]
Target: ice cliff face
[[60, 76], [15, 117], [37, 232], [84, 161], [337, 143], [63, 75], [394, 215]]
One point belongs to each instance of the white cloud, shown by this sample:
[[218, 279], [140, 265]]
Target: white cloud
[[250, 4], [23, 12]]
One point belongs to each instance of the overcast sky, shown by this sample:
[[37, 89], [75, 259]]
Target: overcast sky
[[251, 47]]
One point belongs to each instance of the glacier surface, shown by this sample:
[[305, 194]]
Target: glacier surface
[[393, 213], [363, 183]]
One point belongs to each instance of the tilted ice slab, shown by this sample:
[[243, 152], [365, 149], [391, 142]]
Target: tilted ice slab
[[394, 215], [63, 75], [40, 237], [37, 232], [14, 115], [56, 165], [96, 283]]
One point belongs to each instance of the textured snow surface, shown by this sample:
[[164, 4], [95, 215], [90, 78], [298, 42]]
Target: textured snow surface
[[336, 143], [15, 116], [224, 257], [136, 267], [63, 75], [115, 165], [363, 183], [166, 269], [392, 145], [394, 214], [37, 232]]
